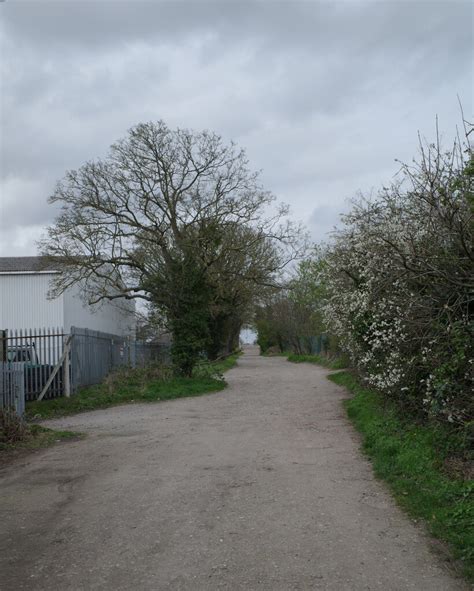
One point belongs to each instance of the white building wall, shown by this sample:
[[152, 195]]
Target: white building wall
[[115, 317], [24, 302]]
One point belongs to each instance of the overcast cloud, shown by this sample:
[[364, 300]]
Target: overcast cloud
[[324, 96]]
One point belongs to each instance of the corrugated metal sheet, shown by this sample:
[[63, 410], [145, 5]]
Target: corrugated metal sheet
[[115, 317], [24, 303]]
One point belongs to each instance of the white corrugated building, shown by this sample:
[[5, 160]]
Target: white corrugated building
[[24, 303]]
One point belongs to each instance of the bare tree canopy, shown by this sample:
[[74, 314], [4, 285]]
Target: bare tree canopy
[[166, 211]]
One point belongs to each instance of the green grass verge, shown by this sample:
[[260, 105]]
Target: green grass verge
[[37, 437], [414, 459], [135, 386], [331, 363], [225, 364]]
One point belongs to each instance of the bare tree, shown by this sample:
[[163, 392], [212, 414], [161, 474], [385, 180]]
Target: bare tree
[[172, 217]]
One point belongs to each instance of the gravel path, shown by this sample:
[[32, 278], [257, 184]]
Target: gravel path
[[258, 487]]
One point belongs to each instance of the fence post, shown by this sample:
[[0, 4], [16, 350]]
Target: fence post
[[3, 346], [57, 367], [67, 373]]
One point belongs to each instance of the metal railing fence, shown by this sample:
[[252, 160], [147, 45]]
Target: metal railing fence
[[144, 353], [94, 355], [51, 359], [12, 387], [39, 350]]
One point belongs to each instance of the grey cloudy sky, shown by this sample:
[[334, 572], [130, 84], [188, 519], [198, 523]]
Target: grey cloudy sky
[[323, 95]]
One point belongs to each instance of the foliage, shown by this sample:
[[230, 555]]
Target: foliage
[[149, 384], [178, 219], [189, 314], [292, 316], [399, 284], [216, 369], [307, 291], [415, 460]]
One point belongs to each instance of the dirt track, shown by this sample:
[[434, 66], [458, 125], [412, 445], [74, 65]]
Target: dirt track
[[261, 486]]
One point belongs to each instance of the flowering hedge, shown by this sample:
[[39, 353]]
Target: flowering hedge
[[399, 284]]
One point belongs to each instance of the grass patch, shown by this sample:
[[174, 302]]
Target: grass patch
[[37, 437], [329, 362], [227, 363], [150, 384], [413, 458]]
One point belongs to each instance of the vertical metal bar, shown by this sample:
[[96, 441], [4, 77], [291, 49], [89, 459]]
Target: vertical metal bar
[[62, 345], [44, 361], [49, 354], [40, 361], [53, 351], [29, 366], [86, 367], [17, 349], [55, 355], [16, 355], [33, 377], [3, 346], [66, 375], [54, 360], [58, 351], [42, 373], [71, 360]]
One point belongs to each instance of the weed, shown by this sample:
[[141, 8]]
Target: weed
[[35, 437], [12, 427]]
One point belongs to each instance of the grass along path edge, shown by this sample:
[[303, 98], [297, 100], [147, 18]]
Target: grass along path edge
[[413, 458], [329, 362], [137, 385], [36, 437]]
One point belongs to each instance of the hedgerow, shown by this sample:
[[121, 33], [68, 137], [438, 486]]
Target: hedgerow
[[399, 284]]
